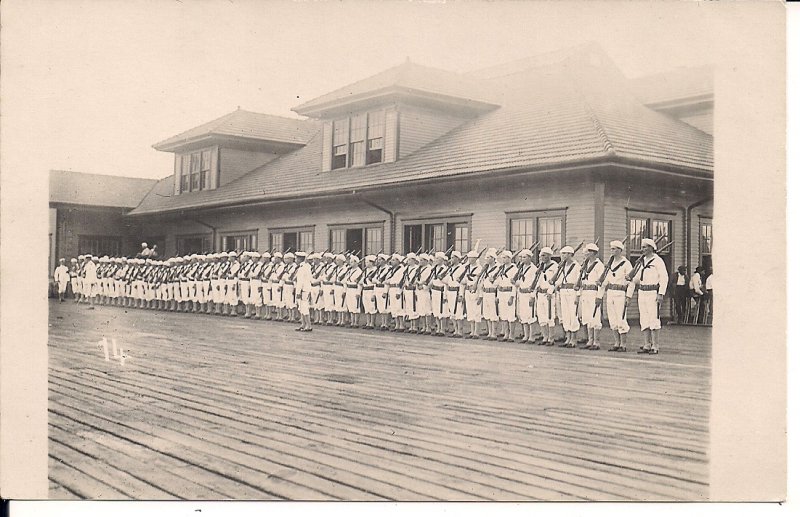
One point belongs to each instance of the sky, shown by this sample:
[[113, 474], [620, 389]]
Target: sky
[[104, 80]]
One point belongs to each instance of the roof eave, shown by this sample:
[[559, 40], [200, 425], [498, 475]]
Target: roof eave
[[605, 159], [217, 138]]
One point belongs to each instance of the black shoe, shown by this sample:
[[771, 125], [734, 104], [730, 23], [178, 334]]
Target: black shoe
[[593, 347], [643, 350], [613, 349], [654, 351]]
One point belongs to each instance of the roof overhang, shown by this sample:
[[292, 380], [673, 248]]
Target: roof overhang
[[389, 95], [231, 141], [605, 162]]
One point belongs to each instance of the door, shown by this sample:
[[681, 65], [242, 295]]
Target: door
[[290, 241], [355, 240], [412, 237]]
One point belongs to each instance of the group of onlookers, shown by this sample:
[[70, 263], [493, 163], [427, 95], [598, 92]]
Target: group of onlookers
[[693, 296]]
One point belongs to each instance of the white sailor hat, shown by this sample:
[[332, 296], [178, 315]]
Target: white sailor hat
[[288, 255], [144, 245], [266, 255], [456, 254], [277, 254], [397, 256], [383, 256], [617, 244], [369, 258], [340, 257], [353, 258], [525, 253], [440, 255], [472, 254], [592, 247], [412, 256], [328, 254], [314, 256], [232, 254], [567, 249], [649, 242], [95, 258], [425, 256], [179, 259], [491, 252], [546, 250], [73, 260], [301, 254], [505, 253]]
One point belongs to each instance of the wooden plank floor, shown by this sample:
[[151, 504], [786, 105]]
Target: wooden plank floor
[[225, 408]]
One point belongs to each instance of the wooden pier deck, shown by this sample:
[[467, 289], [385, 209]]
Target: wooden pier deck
[[226, 408]]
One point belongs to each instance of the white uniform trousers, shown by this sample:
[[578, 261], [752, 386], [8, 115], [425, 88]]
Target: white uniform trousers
[[424, 302], [255, 292], [369, 300], [525, 303], [589, 316], [438, 305], [545, 309], [339, 293], [329, 296], [396, 301], [490, 306], [352, 299], [615, 306], [506, 310], [231, 296], [382, 299], [266, 293], [316, 297], [244, 291], [410, 304], [451, 297], [289, 301], [277, 295], [648, 310], [474, 314], [303, 303], [569, 313]]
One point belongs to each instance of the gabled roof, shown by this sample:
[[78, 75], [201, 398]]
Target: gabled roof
[[674, 85], [246, 124], [551, 117], [80, 188], [407, 79]]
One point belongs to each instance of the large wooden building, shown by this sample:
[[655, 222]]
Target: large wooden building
[[557, 148]]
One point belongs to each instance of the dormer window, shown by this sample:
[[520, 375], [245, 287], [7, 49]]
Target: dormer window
[[195, 171], [358, 140]]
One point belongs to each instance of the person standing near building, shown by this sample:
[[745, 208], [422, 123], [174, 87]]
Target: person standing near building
[[454, 293], [424, 300], [61, 278], [470, 287], [614, 286], [353, 291], [395, 281], [409, 292], [287, 287], [565, 284], [680, 292], [523, 281], [710, 295], [382, 289], [437, 290], [696, 290], [489, 293], [651, 278], [368, 299], [506, 295], [73, 277], [589, 299], [302, 288], [90, 280]]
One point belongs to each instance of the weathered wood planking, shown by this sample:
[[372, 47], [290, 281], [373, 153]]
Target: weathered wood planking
[[220, 408]]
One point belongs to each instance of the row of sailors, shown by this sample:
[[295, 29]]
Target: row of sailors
[[417, 293]]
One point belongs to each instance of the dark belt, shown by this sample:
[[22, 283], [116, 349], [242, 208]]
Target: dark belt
[[590, 287], [379, 286], [567, 286], [288, 282], [368, 287], [524, 290], [327, 283], [616, 287], [315, 284], [394, 285], [542, 291], [437, 288], [490, 290], [339, 284], [648, 287], [504, 289], [452, 289], [410, 287], [352, 286]]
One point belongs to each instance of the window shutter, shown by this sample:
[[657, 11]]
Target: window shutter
[[214, 182], [390, 144], [327, 146], [177, 186]]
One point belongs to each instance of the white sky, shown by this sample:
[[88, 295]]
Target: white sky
[[104, 80]]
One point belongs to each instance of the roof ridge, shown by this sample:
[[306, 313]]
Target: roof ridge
[[608, 147], [291, 119], [104, 175]]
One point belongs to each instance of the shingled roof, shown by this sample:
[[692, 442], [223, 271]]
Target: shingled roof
[[550, 116], [406, 78], [246, 124], [80, 188]]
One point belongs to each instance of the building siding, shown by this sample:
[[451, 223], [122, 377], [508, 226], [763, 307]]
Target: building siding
[[71, 223]]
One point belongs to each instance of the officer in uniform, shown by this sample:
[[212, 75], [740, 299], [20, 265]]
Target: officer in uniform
[[589, 300], [302, 288], [61, 278], [651, 277], [73, 277]]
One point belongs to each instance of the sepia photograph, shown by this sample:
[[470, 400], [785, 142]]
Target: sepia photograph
[[379, 252]]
